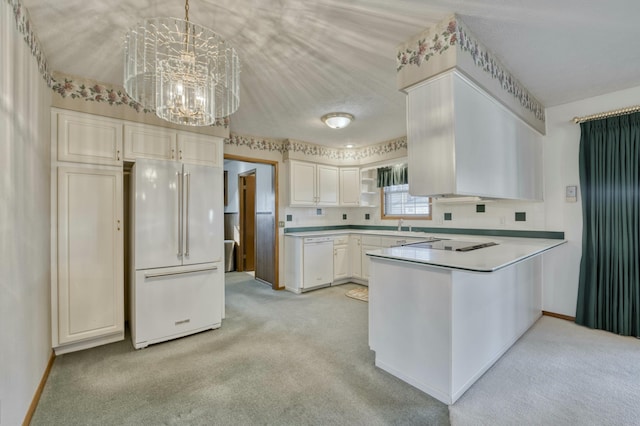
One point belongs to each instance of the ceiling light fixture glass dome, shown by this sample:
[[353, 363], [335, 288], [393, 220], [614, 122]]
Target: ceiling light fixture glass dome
[[337, 120]]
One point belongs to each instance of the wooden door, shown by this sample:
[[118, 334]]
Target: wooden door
[[247, 249]]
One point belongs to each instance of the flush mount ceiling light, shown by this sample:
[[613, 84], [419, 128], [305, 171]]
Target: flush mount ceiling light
[[185, 72], [337, 120]]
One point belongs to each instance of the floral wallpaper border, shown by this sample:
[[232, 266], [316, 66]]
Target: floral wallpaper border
[[438, 44], [336, 154], [66, 86], [456, 34]]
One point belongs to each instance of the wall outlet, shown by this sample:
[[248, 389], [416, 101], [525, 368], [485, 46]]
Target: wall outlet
[[344, 216], [521, 216], [289, 218], [318, 212], [281, 224], [480, 208], [367, 216], [448, 216]]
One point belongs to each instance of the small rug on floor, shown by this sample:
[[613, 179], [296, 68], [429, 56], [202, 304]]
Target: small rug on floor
[[359, 293]]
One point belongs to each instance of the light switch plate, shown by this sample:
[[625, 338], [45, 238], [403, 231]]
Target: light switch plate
[[571, 194]]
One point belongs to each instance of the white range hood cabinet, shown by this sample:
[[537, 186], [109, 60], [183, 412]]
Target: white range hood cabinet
[[463, 142]]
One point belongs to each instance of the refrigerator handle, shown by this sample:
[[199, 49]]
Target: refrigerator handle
[[188, 176], [179, 175]]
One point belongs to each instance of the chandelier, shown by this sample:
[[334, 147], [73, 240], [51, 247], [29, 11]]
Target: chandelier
[[185, 72]]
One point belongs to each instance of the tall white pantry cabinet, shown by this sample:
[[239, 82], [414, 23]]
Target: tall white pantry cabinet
[[87, 223], [87, 240]]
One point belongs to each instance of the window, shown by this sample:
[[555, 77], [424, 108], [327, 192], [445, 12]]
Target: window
[[397, 203]]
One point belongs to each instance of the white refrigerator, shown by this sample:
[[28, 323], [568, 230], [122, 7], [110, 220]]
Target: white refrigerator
[[176, 250]]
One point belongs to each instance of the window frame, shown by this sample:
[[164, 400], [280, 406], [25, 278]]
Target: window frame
[[384, 216]]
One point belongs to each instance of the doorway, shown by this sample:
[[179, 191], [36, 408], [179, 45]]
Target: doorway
[[251, 216], [247, 221]]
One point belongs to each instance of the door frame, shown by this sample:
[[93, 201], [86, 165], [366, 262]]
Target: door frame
[[276, 242], [242, 217]]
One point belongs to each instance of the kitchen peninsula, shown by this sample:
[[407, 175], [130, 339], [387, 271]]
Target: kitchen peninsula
[[438, 319]]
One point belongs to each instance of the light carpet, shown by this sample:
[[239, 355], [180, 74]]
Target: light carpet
[[361, 293], [558, 373], [278, 359]]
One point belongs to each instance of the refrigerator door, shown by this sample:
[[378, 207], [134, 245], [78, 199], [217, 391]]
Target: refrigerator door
[[203, 214], [157, 232]]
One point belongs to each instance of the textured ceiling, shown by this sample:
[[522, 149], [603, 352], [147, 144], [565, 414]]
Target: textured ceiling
[[302, 59]]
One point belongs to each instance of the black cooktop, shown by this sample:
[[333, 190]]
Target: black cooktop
[[452, 245]]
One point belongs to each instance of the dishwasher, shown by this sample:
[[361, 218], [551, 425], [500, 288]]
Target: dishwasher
[[317, 254]]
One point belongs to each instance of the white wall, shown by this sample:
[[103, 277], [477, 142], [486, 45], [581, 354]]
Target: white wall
[[265, 192], [25, 330], [561, 147]]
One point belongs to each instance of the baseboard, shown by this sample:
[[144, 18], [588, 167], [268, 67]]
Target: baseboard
[[36, 396], [561, 316]]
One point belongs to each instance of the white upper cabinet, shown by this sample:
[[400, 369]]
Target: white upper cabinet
[[151, 142], [302, 183], [328, 185], [87, 138], [461, 141], [313, 184], [194, 148], [159, 143], [349, 186]]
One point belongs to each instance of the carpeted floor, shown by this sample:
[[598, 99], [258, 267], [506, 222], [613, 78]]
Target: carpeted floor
[[558, 373], [282, 358], [279, 358]]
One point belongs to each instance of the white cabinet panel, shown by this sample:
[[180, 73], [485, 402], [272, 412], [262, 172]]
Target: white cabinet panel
[[341, 262], [349, 186], [152, 142], [365, 259], [302, 183], [355, 255], [195, 148], [86, 138], [313, 184], [328, 185], [90, 254], [461, 141]]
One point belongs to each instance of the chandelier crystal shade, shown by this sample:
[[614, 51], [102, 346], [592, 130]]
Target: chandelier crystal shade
[[185, 72]]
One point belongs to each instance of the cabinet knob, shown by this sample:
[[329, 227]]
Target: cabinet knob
[[173, 153], [118, 224], [118, 155], [180, 154]]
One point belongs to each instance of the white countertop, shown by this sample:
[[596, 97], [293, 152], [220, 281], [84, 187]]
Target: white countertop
[[488, 259], [508, 251]]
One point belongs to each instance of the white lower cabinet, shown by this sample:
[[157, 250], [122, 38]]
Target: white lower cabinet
[[355, 255], [341, 258], [90, 270], [307, 265]]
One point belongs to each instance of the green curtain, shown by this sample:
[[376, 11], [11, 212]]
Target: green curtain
[[393, 175], [609, 287]]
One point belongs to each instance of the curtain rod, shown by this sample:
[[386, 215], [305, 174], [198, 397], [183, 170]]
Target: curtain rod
[[607, 114]]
